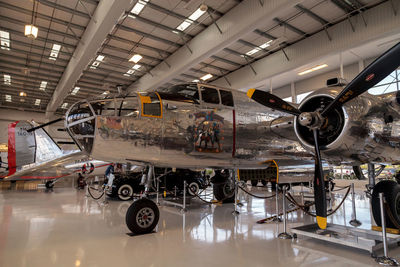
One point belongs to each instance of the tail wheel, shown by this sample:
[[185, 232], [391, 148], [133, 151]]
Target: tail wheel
[[391, 192], [142, 216], [125, 192], [193, 188], [49, 184], [254, 182]]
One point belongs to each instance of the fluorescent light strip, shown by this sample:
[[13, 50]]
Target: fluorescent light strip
[[206, 77], [195, 81], [257, 49], [8, 98], [43, 85], [7, 79], [37, 102], [54, 51], [5, 40], [318, 67], [192, 18], [139, 7], [76, 89]]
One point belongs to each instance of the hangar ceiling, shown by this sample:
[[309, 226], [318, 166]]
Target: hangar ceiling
[[153, 29]]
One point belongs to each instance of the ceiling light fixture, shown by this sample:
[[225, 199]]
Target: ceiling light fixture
[[22, 94], [7, 79], [64, 106], [257, 49], [136, 66], [97, 62], [31, 30], [8, 98], [206, 77], [54, 51], [192, 18], [5, 40], [76, 89], [195, 81], [136, 58], [318, 67], [37, 102], [137, 8], [43, 85]]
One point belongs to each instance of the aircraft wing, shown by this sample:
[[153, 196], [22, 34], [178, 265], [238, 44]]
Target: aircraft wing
[[53, 169]]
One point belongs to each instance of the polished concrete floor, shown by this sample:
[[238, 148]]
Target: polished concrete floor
[[65, 228]]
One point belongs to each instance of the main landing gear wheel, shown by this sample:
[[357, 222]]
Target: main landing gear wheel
[[49, 184], [125, 192], [391, 191], [193, 188], [142, 216], [224, 192]]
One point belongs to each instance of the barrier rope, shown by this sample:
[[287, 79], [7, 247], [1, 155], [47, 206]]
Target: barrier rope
[[303, 208], [90, 193], [262, 197]]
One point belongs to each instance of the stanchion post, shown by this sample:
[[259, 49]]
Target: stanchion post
[[354, 222], [284, 234], [235, 211], [184, 196], [277, 218], [384, 260], [330, 196]]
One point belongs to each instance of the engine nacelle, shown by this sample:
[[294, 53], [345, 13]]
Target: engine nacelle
[[356, 133]]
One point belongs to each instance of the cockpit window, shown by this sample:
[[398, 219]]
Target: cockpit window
[[129, 108], [151, 105], [226, 98], [209, 95], [78, 112], [187, 90], [104, 107]]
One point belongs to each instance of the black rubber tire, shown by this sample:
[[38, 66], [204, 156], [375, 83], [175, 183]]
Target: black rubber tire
[[264, 183], [49, 184], [220, 193], [391, 192], [133, 211], [254, 182], [125, 192], [193, 188]]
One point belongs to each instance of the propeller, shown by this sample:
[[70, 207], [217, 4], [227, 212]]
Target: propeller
[[44, 125], [316, 120]]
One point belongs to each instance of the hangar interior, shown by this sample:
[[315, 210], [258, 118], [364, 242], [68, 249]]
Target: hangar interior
[[161, 89]]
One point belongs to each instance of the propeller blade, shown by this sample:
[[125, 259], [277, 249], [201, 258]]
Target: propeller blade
[[44, 125], [370, 76], [272, 101], [319, 186]]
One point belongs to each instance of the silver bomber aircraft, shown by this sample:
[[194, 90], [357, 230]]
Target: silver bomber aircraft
[[200, 125]]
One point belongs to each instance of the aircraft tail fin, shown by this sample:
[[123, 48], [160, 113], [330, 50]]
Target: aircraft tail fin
[[26, 148]]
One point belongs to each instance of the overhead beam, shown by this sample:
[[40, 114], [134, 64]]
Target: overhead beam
[[210, 40], [104, 19], [382, 23]]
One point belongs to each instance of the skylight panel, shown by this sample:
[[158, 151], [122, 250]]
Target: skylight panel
[[197, 14], [97, 62], [7, 79], [54, 51], [37, 102], [251, 52], [138, 7], [64, 106], [8, 98], [206, 77], [184, 25], [5, 40], [43, 85], [258, 49], [136, 66], [136, 58], [76, 89]]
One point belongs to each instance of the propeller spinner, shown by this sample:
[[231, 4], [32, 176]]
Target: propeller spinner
[[316, 120]]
